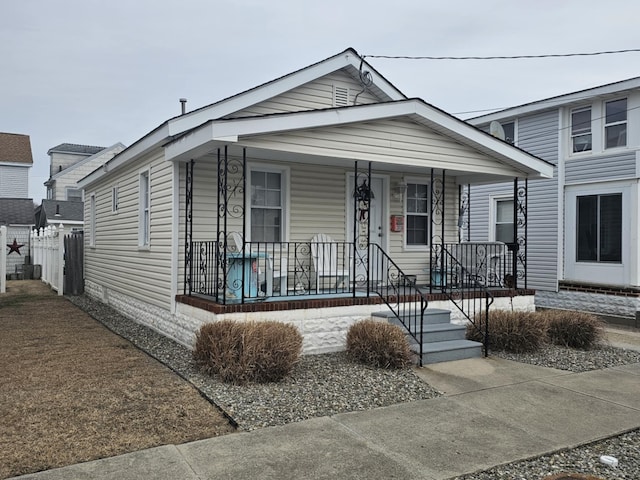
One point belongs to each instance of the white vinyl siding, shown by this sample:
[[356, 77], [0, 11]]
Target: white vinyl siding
[[116, 262], [14, 181], [314, 95]]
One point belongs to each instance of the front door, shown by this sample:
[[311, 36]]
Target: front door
[[377, 228]]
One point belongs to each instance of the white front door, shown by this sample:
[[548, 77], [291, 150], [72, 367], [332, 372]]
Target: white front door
[[377, 228]]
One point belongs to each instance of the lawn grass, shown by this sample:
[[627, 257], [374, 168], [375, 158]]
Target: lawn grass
[[72, 391]]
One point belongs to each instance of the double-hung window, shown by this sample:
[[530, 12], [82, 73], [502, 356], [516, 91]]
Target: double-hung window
[[503, 229], [417, 214], [144, 220], [615, 127], [599, 228], [581, 130], [267, 206]]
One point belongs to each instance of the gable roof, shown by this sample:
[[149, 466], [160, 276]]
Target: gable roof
[[62, 211], [16, 211], [75, 148], [15, 148], [580, 96], [216, 132]]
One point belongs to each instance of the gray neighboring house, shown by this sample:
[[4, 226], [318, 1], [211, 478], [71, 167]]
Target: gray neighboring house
[[17, 215], [583, 249], [70, 162], [54, 212]]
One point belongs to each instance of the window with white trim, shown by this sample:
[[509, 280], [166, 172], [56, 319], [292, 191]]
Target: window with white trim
[[615, 126], [267, 205], [417, 214], [74, 194], [503, 220], [581, 140], [92, 220], [599, 228], [144, 217], [114, 199]]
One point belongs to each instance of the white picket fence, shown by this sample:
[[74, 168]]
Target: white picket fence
[[47, 246]]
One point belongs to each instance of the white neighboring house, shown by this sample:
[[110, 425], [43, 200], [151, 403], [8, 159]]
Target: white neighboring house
[[212, 215], [17, 215], [70, 162], [584, 224], [15, 162]]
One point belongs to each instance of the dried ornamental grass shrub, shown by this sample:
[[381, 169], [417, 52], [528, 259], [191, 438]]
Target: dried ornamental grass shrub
[[241, 352], [378, 344], [573, 329], [515, 332]]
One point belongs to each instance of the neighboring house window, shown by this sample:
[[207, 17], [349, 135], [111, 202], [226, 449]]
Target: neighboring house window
[[144, 223], [599, 228], [503, 215], [114, 199], [509, 132], [581, 129], [92, 219], [74, 194], [615, 127], [267, 206], [417, 214]]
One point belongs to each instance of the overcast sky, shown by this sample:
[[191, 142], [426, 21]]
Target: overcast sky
[[98, 72]]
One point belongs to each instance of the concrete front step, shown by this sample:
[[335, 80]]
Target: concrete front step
[[449, 351], [442, 332], [431, 316]]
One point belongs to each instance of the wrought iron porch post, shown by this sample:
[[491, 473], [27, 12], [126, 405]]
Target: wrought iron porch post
[[468, 212], [444, 202], [355, 228], [188, 229], [362, 224], [431, 233], [521, 200], [514, 253]]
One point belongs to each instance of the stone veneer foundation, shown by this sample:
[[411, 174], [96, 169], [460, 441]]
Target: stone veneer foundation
[[323, 323]]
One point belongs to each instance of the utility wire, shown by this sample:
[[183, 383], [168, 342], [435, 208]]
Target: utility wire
[[504, 57]]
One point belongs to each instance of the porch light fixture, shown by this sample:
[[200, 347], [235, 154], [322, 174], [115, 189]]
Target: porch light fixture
[[399, 190]]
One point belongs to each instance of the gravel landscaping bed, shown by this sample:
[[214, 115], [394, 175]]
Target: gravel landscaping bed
[[328, 384], [320, 385]]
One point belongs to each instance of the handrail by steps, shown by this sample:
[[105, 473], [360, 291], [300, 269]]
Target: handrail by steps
[[399, 292]]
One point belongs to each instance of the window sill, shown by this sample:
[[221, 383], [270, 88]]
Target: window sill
[[415, 248], [144, 248]]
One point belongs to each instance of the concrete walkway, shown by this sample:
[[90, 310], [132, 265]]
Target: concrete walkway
[[494, 411]]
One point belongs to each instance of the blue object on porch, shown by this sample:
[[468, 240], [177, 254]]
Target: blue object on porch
[[437, 278], [237, 262]]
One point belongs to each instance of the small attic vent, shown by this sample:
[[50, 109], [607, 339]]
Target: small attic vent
[[340, 96]]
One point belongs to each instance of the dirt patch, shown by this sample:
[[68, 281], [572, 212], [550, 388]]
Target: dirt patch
[[72, 391]]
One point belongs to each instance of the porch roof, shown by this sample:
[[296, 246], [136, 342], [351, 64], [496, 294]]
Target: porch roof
[[496, 158]]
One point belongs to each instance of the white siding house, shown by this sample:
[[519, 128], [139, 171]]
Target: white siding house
[[216, 213], [15, 162], [583, 249]]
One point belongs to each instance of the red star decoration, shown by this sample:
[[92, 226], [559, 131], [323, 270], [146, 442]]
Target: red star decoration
[[14, 247]]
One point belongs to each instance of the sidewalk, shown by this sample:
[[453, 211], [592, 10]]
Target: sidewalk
[[494, 411]]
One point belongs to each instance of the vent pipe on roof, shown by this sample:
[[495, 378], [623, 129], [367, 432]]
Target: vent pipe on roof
[[183, 105], [57, 209]]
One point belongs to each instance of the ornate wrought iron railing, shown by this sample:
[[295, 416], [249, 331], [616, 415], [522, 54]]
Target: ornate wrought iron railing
[[466, 273], [400, 293]]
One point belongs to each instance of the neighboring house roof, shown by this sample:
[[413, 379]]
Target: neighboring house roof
[[15, 148], [581, 96], [60, 211], [75, 148], [118, 146], [16, 211]]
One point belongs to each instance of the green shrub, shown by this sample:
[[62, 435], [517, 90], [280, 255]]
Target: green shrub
[[378, 344], [510, 331], [241, 352], [573, 329]]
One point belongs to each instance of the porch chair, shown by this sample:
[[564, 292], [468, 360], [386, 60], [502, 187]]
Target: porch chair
[[279, 275], [324, 251]]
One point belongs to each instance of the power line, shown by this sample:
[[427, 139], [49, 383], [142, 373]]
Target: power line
[[505, 57]]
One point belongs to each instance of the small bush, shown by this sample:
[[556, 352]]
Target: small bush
[[515, 332], [573, 329], [378, 344], [241, 352]]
